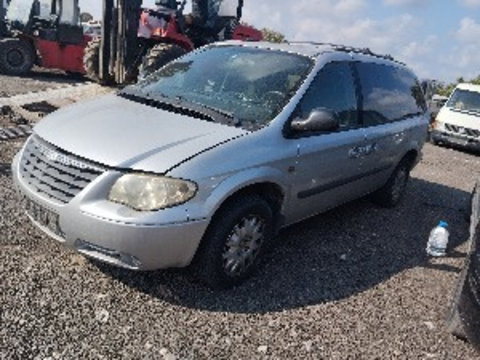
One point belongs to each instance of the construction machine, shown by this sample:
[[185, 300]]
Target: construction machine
[[137, 40], [42, 32]]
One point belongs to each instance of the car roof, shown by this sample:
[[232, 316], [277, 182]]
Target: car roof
[[308, 48], [469, 87]]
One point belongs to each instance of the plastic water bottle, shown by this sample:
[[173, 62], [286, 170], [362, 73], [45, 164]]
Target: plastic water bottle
[[438, 240]]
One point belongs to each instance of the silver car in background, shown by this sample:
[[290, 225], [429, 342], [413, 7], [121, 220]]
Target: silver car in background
[[206, 160]]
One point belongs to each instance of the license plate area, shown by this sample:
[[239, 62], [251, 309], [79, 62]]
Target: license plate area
[[46, 218], [459, 141]]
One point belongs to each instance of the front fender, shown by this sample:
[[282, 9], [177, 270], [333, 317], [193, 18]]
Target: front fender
[[230, 185]]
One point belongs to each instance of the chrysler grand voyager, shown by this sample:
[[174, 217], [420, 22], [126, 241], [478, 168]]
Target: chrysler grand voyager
[[205, 160]]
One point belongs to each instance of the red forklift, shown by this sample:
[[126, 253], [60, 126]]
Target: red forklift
[[46, 33], [136, 40]]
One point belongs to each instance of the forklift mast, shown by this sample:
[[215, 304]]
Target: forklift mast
[[3, 9], [119, 42], [3, 15]]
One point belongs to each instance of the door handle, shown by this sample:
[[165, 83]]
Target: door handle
[[399, 137], [359, 151]]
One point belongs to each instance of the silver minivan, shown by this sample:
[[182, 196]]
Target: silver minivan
[[207, 159]]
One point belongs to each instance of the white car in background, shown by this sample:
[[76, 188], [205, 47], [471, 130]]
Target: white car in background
[[458, 122]]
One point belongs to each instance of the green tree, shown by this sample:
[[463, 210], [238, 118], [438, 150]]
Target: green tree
[[447, 89], [476, 81], [273, 36]]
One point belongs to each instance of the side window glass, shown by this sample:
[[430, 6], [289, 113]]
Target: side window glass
[[388, 93], [333, 88]]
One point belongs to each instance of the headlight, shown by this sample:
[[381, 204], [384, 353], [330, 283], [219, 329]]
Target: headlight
[[149, 192]]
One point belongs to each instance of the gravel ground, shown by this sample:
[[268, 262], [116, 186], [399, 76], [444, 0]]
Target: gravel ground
[[38, 80], [352, 283]]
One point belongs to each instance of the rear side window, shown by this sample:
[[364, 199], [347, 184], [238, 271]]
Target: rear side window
[[388, 94]]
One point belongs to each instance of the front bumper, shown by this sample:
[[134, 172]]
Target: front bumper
[[110, 233], [455, 140]]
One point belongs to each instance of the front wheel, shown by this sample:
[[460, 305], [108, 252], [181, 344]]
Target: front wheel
[[392, 192], [16, 57], [234, 242]]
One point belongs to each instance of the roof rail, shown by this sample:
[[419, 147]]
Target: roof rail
[[349, 49]]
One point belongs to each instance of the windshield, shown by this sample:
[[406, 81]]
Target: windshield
[[249, 84], [19, 11], [464, 100]]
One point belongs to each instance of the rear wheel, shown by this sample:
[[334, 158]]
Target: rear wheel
[[234, 242], [16, 57], [158, 56], [392, 192]]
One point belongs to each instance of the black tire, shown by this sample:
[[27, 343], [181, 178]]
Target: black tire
[[16, 57], [91, 62], [392, 192], [158, 56], [214, 262], [453, 319]]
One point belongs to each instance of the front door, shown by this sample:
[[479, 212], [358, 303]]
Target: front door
[[329, 167]]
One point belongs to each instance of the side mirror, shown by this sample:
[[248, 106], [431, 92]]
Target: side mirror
[[320, 119]]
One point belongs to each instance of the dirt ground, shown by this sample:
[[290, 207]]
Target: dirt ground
[[352, 283]]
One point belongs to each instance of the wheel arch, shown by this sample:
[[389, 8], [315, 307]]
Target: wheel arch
[[412, 157], [269, 191]]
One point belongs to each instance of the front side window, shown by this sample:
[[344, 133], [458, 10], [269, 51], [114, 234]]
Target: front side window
[[333, 89], [388, 93], [464, 100], [250, 84]]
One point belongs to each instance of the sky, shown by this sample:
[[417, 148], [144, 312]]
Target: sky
[[438, 39]]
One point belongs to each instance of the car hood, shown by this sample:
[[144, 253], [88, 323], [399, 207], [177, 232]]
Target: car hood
[[459, 118], [120, 133]]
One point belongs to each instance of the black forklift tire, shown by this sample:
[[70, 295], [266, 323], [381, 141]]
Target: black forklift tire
[[91, 62], [17, 56], [158, 56]]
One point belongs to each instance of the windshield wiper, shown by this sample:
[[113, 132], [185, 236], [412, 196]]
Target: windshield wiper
[[220, 115], [164, 103], [183, 106]]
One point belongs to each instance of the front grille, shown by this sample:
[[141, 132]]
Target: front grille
[[53, 172], [460, 130]]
